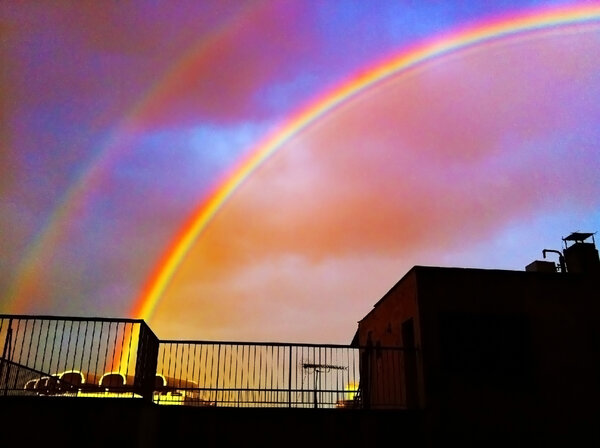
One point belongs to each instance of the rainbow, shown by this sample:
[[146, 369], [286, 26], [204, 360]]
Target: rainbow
[[74, 201], [490, 31]]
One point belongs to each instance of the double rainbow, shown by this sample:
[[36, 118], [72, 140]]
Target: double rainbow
[[484, 33]]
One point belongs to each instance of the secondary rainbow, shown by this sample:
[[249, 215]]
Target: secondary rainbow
[[491, 31], [75, 200]]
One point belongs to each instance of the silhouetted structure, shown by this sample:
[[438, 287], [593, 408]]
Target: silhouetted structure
[[499, 354], [482, 357]]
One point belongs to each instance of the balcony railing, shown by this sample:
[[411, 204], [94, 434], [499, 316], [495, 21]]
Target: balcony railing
[[64, 356]]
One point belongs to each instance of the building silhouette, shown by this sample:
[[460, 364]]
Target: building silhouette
[[499, 355]]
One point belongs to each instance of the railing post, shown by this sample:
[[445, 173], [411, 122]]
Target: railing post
[[366, 377], [6, 357], [290, 379], [145, 366]]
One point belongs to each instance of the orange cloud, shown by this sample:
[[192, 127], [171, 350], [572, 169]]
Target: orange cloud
[[429, 162]]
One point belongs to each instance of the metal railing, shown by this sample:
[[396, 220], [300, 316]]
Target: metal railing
[[64, 356], [246, 374], [46, 355]]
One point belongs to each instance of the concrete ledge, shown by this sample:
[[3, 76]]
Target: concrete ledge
[[54, 421]]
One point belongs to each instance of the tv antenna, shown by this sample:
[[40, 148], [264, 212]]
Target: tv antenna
[[317, 370]]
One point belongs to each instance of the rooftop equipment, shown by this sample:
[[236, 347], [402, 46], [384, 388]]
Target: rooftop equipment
[[581, 256]]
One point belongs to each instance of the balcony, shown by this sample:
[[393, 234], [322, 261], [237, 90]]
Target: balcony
[[50, 357]]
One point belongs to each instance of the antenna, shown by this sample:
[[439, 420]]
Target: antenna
[[318, 368]]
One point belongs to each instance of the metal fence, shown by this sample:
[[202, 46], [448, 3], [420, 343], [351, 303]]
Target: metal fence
[[246, 374], [48, 356], [58, 356]]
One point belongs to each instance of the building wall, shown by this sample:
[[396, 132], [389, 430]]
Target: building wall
[[385, 319], [501, 352], [509, 350], [389, 324]]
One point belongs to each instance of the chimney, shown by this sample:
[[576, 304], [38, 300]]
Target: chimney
[[581, 256]]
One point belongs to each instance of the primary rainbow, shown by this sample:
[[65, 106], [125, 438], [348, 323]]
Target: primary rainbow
[[490, 31]]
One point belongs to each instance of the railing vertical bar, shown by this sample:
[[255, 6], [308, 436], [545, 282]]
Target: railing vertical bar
[[339, 355], [76, 344], [30, 338], [233, 384], [2, 361], [131, 327], [274, 371], [260, 372], [123, 326], [218, 370], [114, 350], [162, 363], [90, 350], [300, 357], [235, 374], [181, 350], [229, 364], [169, 358], [37, 345], [242, 373], [45, 345], [12, 334], [106, 350], [176, 365], [270, 359], [68, 347], [213, 370], [223, 372], [203, 349], [348, 381], [182, 374], [96, 379], [6, 357], [187, 369], [194, 370], [85, 341], [251, 364], [278, 373], [52, 345], [239, 374], [16, 337]]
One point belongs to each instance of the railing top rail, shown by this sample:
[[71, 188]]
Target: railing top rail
[[194, 341], [277, 344], [72, 318]]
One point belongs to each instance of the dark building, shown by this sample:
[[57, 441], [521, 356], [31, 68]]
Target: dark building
[[496, 354]]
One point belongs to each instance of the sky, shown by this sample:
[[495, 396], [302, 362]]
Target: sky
[[266, 171]]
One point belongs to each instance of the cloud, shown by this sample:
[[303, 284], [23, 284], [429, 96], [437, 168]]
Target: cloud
[[227, 75], [427, 164]]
